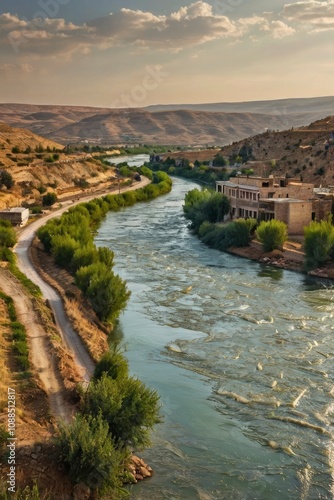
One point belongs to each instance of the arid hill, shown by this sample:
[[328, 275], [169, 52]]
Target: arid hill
[[305, 152], [219, 124], [39, 165]]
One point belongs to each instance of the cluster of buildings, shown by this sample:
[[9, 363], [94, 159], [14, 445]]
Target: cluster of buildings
[[289, 200]]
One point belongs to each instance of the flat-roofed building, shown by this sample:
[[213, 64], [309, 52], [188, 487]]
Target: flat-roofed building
[[265, 198], [18, 216]]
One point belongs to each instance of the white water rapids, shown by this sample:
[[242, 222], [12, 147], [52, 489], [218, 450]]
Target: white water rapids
[[241, 354]]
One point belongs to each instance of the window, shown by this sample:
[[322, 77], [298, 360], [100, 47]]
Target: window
[[265, 184], [271, 195], [219, 188]]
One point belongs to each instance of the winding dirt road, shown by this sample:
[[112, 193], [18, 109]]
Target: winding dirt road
[[40, 353]]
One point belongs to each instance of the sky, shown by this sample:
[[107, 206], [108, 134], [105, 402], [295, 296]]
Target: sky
[[106, 54]]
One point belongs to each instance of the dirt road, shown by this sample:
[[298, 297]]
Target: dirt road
[[40, 353]]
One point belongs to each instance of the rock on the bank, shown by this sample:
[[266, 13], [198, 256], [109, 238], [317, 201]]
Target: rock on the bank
[[138, 469]]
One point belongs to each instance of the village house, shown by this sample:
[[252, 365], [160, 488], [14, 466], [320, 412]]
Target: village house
[[265, 198], [18, 216]]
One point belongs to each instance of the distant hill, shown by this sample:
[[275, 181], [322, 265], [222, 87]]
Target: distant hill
[[305, 152], [200, 124], [312, 105]]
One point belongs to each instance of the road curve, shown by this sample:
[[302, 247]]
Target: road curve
[[70, 338]]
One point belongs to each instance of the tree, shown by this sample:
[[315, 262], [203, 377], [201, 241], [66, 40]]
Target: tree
[[7, 234], [90, 454], [318, 242], [49, 199], [6, 179], [130, 408], [114, 364], [272, 234], [108, 295]]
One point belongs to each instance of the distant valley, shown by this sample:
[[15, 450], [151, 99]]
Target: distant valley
[[183, 124]]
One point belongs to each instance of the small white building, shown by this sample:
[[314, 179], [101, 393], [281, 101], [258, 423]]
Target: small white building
[[18, 216]]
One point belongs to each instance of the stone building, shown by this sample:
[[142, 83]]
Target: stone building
[[264, 198], [18, 216]]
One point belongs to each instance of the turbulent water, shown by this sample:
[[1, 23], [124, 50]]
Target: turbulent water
[[241, 354]]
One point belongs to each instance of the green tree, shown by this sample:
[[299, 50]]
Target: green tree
[[63, 249], [114, 364], [90, 454], [7, 234], [130, 408], [6, 179], [108, 295], [49, 199], [272, 234], [318, 242]]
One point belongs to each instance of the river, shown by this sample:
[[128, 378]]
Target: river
[[242, 360]]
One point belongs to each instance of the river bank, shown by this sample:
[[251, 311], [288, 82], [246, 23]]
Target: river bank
[[291, 258]]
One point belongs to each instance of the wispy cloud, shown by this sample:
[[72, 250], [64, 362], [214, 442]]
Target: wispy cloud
[[316, 15]]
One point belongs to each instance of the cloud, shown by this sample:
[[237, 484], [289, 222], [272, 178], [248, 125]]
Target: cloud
[[189, 26], [276, 28], [317, 15], [192, 25], [279, 29]]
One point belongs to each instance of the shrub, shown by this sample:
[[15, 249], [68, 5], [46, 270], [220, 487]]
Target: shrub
[[49, 199], [6, 179], [272, 234], [63, 249], [318, 242], [90, 454], [129, 407], [7, 235], [114, 364]]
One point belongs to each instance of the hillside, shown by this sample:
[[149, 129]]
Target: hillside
[[39, 165], [306, 152], [213, 124]]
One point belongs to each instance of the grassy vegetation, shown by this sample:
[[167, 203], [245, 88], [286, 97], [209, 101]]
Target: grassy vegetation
[[18, 335]]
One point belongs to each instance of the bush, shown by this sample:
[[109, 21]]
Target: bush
[[129, 407], [90, 454], [7, 235], [6, 179], [49, 199], [318, 242], [272, 234], [113, 364]]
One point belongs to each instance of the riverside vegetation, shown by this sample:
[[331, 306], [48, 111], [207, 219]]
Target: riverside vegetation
[[206, 211], [116, 411]]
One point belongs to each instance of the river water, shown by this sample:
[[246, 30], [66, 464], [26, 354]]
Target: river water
[[241, 355]]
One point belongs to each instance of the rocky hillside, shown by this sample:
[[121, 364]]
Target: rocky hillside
[[215, 124], [39, 165], [305, 152]]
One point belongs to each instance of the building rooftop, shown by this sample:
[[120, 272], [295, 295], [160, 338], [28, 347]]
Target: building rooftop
[[282, 200], [234, 185], [14, 210]]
